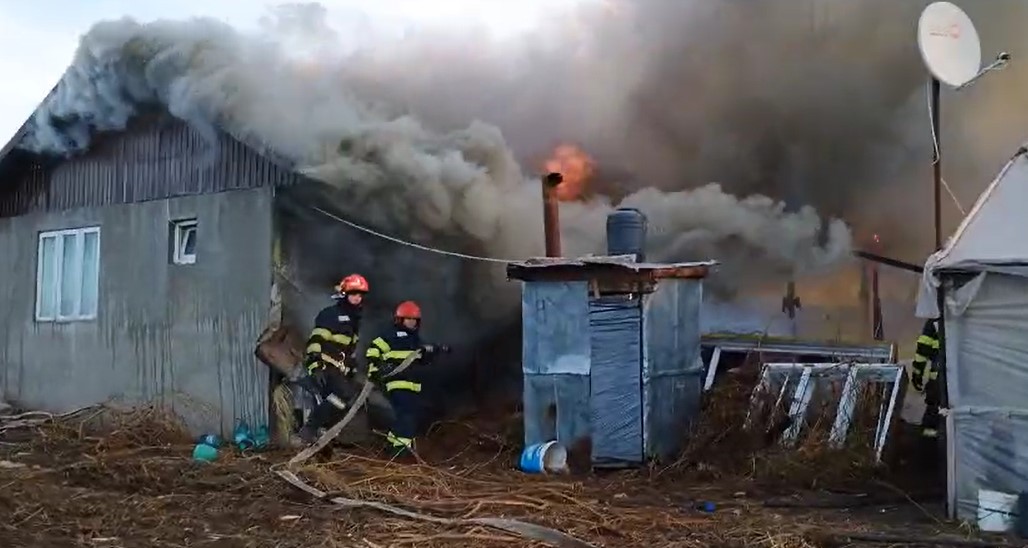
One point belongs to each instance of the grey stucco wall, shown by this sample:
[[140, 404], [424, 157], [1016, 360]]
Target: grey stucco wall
[[179, 334]]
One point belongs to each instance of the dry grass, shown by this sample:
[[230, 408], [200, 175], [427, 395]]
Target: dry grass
[[112, 479]]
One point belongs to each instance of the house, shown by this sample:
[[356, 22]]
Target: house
[[140, 270], [146, 268], [983, 270]]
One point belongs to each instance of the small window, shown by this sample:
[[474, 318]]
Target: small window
[[68, 275], [184, 243]]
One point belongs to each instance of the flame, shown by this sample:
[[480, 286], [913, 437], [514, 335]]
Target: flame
[[577, 168]]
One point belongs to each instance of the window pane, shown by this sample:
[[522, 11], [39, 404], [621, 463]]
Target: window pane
[[90, 272], [69, 276], [47, 277], [189, 245]]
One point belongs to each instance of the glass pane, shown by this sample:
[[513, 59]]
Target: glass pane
[[189, 241], [47, 295], [69, 276], [90, 272]]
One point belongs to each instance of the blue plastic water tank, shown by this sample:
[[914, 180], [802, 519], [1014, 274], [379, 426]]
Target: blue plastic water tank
[[626, 233]]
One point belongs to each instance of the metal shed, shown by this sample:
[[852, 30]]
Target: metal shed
[[611, 355]]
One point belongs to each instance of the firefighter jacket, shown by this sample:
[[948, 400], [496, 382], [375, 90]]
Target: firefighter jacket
[[925, 366], [334, 336], [388, 351]]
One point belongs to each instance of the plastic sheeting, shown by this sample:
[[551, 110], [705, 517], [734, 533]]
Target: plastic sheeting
[[987, 345], [988, 447], [987, 356], [617, 418]]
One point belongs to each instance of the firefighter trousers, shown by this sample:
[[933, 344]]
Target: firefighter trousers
[[408, 417], [331, 381]]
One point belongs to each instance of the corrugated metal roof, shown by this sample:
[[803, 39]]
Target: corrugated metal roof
[[549, 268]]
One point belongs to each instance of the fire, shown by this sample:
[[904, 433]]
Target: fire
[[577, 168]]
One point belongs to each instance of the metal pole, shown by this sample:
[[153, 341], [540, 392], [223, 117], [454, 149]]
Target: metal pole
[[937, 180], [940, 294]]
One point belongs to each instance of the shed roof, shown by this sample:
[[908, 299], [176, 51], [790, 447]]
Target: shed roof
[[541, 269]]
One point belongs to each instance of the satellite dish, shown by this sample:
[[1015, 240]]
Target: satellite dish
[[949, 44]]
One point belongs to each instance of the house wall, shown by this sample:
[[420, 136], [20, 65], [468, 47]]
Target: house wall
[[178, 334]]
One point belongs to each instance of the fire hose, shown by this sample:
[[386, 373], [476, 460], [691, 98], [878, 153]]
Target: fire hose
[[527, 530]]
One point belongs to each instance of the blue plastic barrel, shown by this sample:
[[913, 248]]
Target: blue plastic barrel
[[540, 458], [626, 233]]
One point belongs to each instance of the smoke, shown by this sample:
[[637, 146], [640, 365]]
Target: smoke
[[814, 102], [792, 100], [410, 165]]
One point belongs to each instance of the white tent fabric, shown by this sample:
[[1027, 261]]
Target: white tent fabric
[[992, 238], [986, 340]]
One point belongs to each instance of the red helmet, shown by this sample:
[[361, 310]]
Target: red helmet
[[408, 310], [354, 283]]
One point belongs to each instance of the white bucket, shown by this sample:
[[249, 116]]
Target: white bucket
[[544, 457], [996, 511]]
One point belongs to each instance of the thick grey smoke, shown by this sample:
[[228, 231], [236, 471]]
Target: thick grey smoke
[[814, 102], [450, 185]]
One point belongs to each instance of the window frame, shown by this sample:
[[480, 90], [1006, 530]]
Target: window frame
[[178, 228], [58, 236]]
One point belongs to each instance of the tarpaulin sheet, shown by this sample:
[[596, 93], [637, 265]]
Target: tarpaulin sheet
[[616, 337], [987, 365], [989, 446]]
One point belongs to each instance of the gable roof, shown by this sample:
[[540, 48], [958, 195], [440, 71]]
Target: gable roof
[[14, 161]]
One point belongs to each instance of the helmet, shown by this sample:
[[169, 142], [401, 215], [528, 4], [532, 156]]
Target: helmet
[[354, 283], [408, 309]]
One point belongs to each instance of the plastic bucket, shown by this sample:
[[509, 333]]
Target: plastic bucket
[[996, 511], [205, 453], [542, 458]]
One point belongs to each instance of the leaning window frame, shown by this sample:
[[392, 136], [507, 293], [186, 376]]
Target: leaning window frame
[[58, 236]]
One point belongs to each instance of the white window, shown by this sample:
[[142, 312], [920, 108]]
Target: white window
[[183, 249], [68, 275]]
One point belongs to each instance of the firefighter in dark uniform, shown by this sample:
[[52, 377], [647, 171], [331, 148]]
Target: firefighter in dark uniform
[[330, 353], [406, 389], [925, 377]]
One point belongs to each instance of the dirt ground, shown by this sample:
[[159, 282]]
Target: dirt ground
[[132, 483]]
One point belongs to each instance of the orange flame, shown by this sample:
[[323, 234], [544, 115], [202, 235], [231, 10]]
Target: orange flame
[[577, 168]]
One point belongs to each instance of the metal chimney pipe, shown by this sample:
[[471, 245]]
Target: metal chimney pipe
[[551, 213]]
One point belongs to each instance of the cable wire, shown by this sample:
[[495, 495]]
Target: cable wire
[[935, 143], [412, 244]]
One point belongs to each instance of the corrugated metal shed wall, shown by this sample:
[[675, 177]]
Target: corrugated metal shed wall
[[555, 361], [181, 334], [673, 371], [620, 377]]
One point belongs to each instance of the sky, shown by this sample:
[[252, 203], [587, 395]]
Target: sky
[[39, 37]]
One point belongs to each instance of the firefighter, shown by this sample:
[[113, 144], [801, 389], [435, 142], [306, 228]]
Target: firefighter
[[925, 377], [329, 354], [405, 389]]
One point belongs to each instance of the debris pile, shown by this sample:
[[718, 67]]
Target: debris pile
[[99, 477]]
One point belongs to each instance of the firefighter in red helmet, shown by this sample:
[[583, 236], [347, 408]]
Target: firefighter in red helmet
[[404, 386], [330, 352]]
